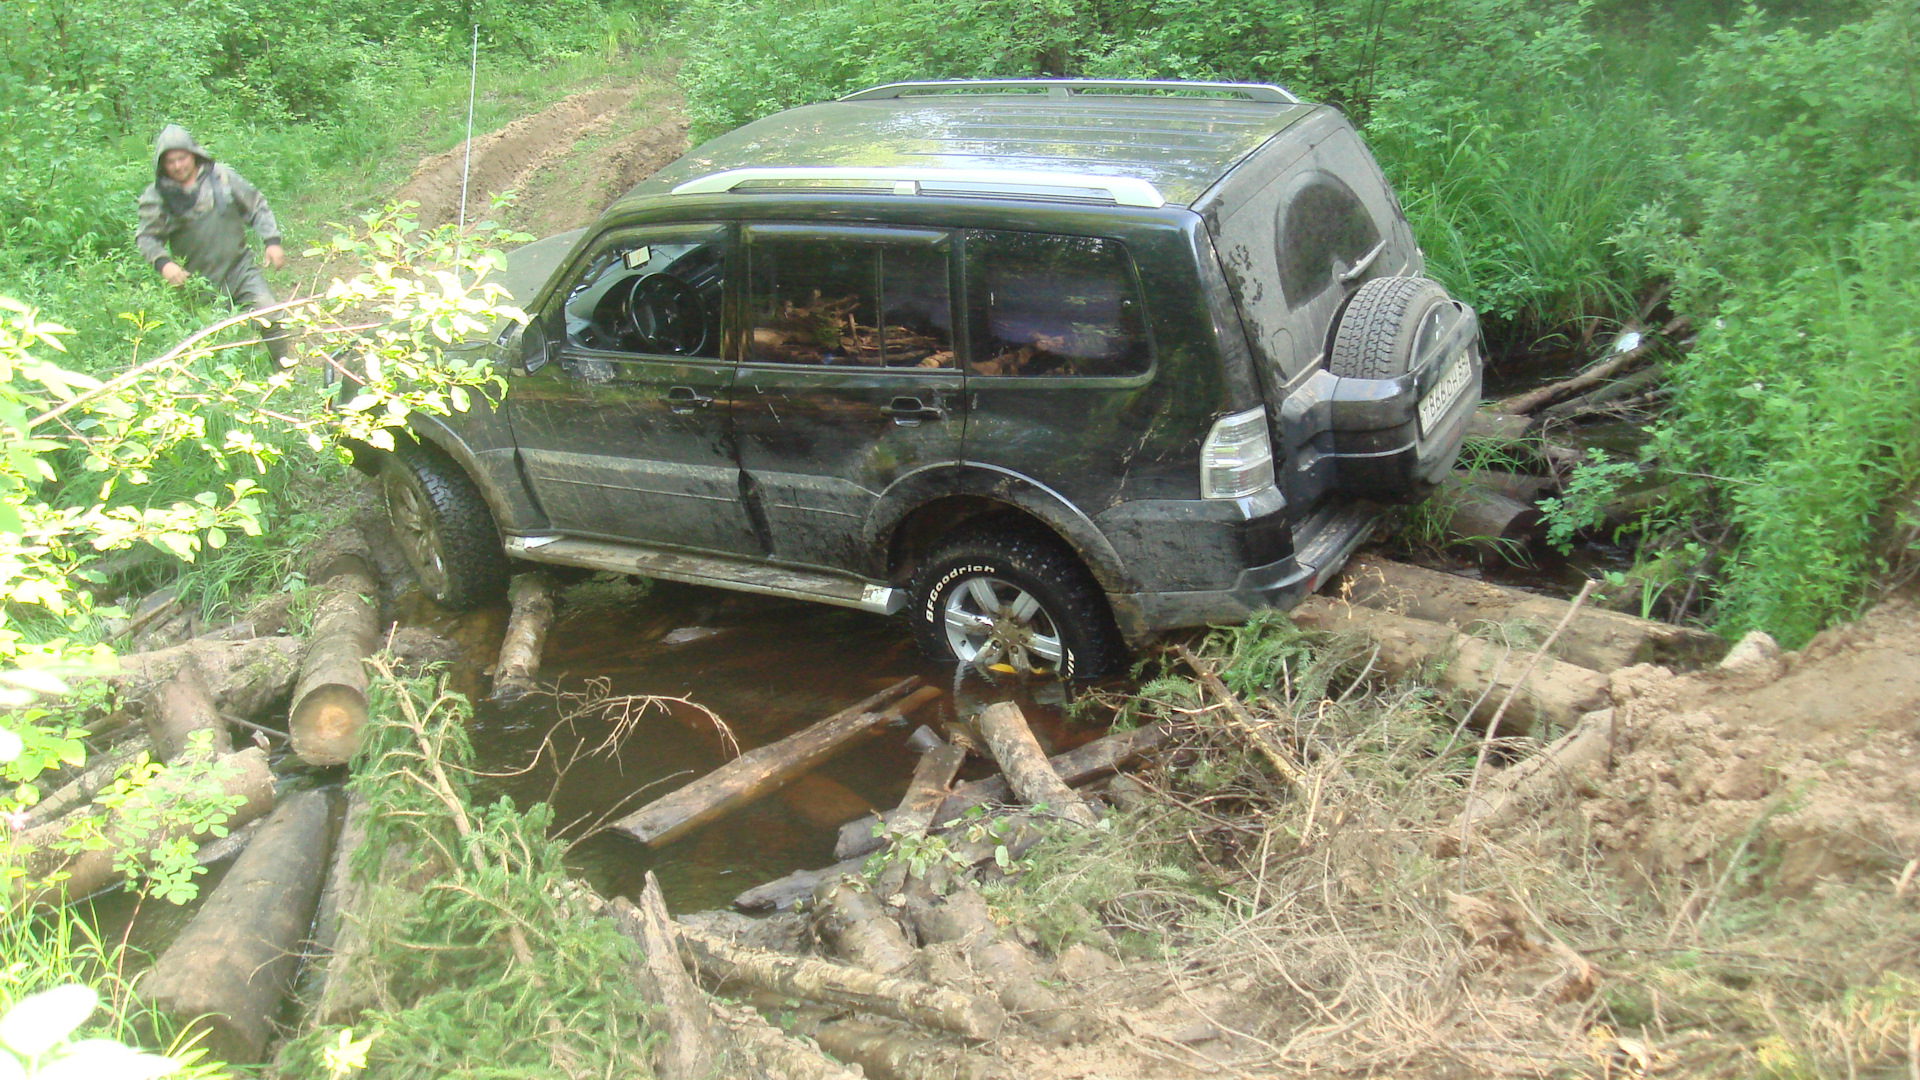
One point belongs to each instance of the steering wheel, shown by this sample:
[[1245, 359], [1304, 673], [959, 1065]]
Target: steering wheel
[[666, 315]]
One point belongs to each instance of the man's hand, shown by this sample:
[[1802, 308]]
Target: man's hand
[[276, 256], [175, 274]]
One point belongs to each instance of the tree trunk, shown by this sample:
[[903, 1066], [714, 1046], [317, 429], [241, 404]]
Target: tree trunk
[[1625, 360], [1484, 518], [531, 597], [757, 772], [885, 1052], [1598, 639], [852, 922], [330, 702], [1520, 487], [1497, 426], [98, 774], [229, 970], [181, 706], [689, 1051], [1573, 759], [723, 965], [932, 779], [245, 676], [363, 905], [773, 1054], [781, 894], [1025, 765], [1556, 693], [244, 774], [1081, 765]]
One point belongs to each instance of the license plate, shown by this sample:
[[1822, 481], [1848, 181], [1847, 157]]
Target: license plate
[[1452, 383]]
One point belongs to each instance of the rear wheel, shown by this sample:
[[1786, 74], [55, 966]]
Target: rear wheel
[[443, 526], [1017, 598]]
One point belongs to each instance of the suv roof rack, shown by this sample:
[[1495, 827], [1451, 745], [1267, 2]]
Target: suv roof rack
[[992, 183], [1265, 92]]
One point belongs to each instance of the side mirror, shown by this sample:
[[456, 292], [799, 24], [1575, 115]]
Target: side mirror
[[534, 352]]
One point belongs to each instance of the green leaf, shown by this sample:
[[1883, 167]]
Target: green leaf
[[36, 1024]]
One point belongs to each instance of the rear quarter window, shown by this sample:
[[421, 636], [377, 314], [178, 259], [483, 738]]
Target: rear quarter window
[[1045, 305]]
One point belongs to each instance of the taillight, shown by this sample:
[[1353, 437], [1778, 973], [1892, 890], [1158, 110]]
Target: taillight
[[1237, 458]]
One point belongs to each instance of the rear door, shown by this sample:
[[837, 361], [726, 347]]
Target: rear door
[[625, 432], [847, 379]]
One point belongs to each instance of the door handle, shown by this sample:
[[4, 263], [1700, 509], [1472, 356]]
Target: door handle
[[908, 411], [685, 399]]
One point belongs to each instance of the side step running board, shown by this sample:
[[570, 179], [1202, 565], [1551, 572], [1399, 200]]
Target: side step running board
[[718, 571], [1322, 543]]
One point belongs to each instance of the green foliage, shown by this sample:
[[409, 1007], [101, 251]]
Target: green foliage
[[491, 963], [1582, 505]]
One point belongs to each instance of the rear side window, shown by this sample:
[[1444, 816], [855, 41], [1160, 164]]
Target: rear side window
[[1047, 305], [831, 301], [1324, 230]]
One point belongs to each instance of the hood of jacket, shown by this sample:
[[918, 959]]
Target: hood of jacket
[[175, 137]]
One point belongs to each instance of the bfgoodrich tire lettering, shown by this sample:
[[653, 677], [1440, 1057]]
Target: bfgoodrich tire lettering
[[443, 525], [1014, 596]]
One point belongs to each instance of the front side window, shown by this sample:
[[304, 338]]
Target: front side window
[[847, 302], [656, 295], [1047, 305]]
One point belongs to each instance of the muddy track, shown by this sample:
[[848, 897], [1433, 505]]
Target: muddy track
[[538, 157]]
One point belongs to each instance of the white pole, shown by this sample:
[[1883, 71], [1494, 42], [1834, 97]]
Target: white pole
[[473, 77]]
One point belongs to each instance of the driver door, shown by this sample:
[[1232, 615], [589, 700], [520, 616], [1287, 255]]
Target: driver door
[[625, 433]]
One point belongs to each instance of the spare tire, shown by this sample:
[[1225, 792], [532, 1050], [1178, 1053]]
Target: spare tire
[[1381, 325]]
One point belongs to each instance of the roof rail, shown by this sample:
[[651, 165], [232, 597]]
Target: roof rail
[[1266, 92], [1001, 183]]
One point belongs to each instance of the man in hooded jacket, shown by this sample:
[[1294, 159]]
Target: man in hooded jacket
[[193, 220]]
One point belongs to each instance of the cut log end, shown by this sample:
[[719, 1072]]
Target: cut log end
[[328, 723]]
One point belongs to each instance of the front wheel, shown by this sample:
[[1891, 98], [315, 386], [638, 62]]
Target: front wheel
[[989, 597], [443, 526]]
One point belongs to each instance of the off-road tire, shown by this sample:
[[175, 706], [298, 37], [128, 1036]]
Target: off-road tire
[[1377, 330], [442, 523], [1033, 562]]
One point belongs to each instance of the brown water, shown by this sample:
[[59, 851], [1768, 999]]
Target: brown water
[[766, 668]]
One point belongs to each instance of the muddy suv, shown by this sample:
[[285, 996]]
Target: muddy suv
[[1050, 366]]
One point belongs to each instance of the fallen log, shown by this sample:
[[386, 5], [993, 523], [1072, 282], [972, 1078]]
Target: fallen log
[[689, 1051], [1575, 758], [1556, 694], [363, 904], [530, 595], [772, 1053], [245, 677], [330, 701], [81, 788], [961, 919], [1261, 734], [1025, 765], [850, 920], [723, 965], [39, 854], [1520, 487], [932, 778], [781, 894], [1597, 639], [885, 1052], [1606, 394], [1484, 518], [1497, 426], [180, 707], [1081, 765], [758, 772], [1621, 360], [227, 973]]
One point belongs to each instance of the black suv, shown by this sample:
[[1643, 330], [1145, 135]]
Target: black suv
[[1050, 365]]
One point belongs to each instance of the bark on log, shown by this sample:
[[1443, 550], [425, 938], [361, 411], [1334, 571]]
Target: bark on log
[[530, 595], [385, 898], [181, 706], [228, 971], [245, 676], [757, 772], [342, 889], [932, 780], [771, 1053], [1260, 733], [1556, 693], [1598, 398], [330, 701], [244, 774], [1025, 765], [1597, 639], [690, 1050], [885, 1052], [853, 923], [77, 791], [962, 919], [1484, 518], [722, 965], [1497, 426], [1575, 758], [1520, 487], [1083, 764], [781, 894]]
